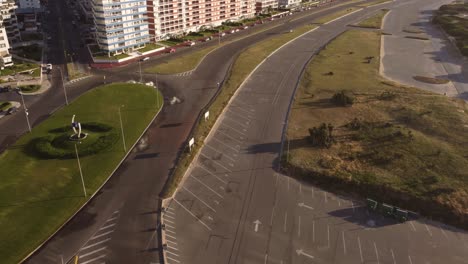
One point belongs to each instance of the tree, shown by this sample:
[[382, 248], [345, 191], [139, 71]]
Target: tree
[[343, 99], [321, 136]]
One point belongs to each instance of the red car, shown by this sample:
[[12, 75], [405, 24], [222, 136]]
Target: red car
[[172, 50]]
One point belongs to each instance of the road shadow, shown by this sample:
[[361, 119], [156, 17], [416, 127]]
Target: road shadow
[[275, 147], [147, 156]]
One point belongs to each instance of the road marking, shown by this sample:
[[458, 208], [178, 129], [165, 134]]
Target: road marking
[[339, 201], [427, 228], [107, 226], [312, 192], [224, 154], [412, 226], [112, 219], [236, 130], [410, 261], [288, 184], [172, 253], [376, 253], [239, 108], [301, 252], [272, 215], [219, 164], [169, 241], [313, 231], [173, 259], [95, 244], [198, 198], [305, 206], [266, 259], [299, 227], [328, 236], [101, 235], [171, 247], [226, 145], [201, 222], [235, 139], [212, 174], [443, 232], [171, 236], [325, 195], [239, 115], [94, 259], [352, 205], [285, 220], [170, 231], [208, 187], [244, 125], [344, 242], [393, 256], [167, 225], [360, 249], [168, 212], [171, 217], [166, 220], [300, 188], [92, 252]]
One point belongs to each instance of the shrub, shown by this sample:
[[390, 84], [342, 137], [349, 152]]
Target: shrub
[[321, 136], [343, 99]]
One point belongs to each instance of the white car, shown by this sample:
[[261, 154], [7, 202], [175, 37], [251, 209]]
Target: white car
[[49, 66]]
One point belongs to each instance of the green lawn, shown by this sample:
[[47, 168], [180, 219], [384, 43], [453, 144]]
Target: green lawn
[[29, 88], [374, 21], [396, 144], [335, 15], [33, 52], [19, 66], [181, 64], [150, 46], [38, 195], [243, 66], [449, 18], [4, 106]]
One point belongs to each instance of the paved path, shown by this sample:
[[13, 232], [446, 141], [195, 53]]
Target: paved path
[[436, 57]]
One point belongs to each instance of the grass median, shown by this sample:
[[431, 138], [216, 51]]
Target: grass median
[[335, 15], [395, 144], [452, 18], [243, 66], [38, 193], [373, 3], [374, 21]]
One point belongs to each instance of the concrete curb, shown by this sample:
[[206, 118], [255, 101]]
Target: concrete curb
[[382, 50], [97, 190], [383, 3], [166, 202], [338, 18]]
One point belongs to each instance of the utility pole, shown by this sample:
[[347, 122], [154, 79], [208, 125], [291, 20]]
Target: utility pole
[[79, 166], [24, 106], [63, 85], [121, 127]]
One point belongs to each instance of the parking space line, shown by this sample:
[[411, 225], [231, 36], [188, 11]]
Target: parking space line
[[339, 201], [443, 232], [173, 259], [224, 154], [92, 252], [212, 174], [169, 226], [325, 195], [344, 242], [412, 226], [201, 222], [172, 248], [236, 130], [208, 187], [111, 219], [107, 226], [352, 206], [170, 231], [285, 221], [172, 253], [166, 220], [300, 188], [328, 236], [199, 199], [171, 217], [288, 184], [360, 249], [376, 253], [171, 236], [427, 228], [169, 241], [299, 227], [95, 244], [393, 256], [101, 235], [272, 215], [244, 125], [94, 259], [168, 212], [312, 189], [224, 144], [214, 161], [235, 139], [409, 258], [231, 111], [313, 231]]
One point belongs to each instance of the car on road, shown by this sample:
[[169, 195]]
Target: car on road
[[145, 59], [206, 39], [5, 89], [49, 66], [171, 50], [11, 110], [190, 43]]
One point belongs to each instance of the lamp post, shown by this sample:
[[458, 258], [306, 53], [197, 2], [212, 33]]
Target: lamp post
[[79, 166], [24, 106], [121, 127], [63, 85]]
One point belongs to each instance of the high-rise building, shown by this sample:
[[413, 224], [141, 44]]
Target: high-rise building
[[265, 5], [289, 3], [9, 32], [121, 25], [167, 18], [36, 4]]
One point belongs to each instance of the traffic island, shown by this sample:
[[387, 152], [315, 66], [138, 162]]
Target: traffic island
[[41, 187]]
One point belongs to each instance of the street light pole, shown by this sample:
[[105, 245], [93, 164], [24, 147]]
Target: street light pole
[[63, 85], [79, 166], [141, 78], [219, 37], [121, 127], [25, 109]]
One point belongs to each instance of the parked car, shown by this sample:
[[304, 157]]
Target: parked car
[[49, 66], [5, 89], [246, 27], [11, 110], [145, 59], [191, 43], [206, 39], [171, 50]]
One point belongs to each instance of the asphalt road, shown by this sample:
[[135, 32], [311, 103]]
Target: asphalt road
[[234, 206], [436, 57], [119, 224]]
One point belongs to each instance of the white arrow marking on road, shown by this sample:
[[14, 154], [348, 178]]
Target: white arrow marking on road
[[301, 252], [305, 205], [257, 223]]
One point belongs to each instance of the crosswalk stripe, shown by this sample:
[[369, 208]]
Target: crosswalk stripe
[[92, 252], [95, 244]]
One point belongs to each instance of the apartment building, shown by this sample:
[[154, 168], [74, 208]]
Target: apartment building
[[289, 3], [265, 5], [9, 32], [121, 25], [36, 4], [168, 18]]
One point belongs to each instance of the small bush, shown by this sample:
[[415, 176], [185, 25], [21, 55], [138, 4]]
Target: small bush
[[321, 136], [342, 99], [387, 96]]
